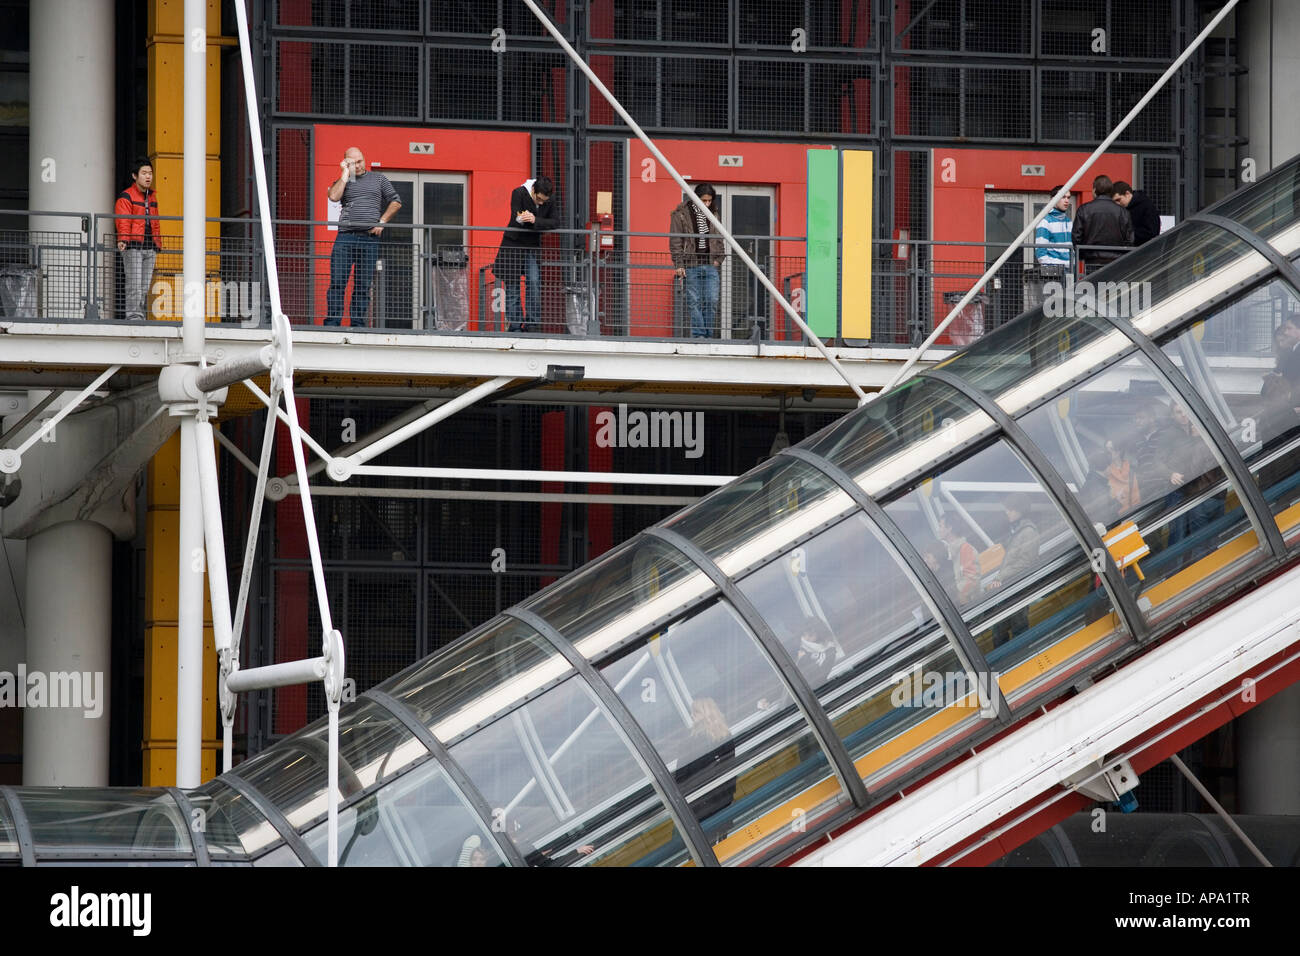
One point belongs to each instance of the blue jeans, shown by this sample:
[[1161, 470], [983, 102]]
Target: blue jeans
[[358, 249], [703, 288], [529, 317]]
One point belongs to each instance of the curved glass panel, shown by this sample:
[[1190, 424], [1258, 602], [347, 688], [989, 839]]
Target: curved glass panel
[[72, 822], [418, 820], [562, 782], [1001, 547], [900, 434], [725, 725], [621, 594], [1147, 476], [234, 828], [1268, 207], [752, 517], [282, 855], [473, 681], [8, 835], [374, 746], [1036, 354], [1248, 369], [813, 597], [1173, 275]]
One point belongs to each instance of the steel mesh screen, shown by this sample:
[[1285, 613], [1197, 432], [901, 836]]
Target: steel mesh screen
[[463, 84], [1067, 26], [1159, 177], [771, 96], [965, 26], [534, 90], [839, 96], [383, 80], [390, 16], [1156, 123], [481, 17], [971, 102], [309, 78], [827, 24], [694, 22], [666, 91], [1073, 106], [1134, 29]]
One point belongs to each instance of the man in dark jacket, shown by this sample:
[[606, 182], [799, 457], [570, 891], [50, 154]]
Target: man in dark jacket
[[531, 212], [1102, 222], [697, 251], [1141, 210]]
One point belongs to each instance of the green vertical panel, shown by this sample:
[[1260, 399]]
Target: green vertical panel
[[821, 287]]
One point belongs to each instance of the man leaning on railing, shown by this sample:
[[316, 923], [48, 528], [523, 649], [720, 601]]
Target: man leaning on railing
[[137, 236]]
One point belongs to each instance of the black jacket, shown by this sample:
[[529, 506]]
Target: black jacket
[[1102, 222], [520, 236], [1146, 218]]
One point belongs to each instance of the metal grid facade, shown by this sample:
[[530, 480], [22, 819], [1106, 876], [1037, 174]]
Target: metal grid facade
[[869, 74]]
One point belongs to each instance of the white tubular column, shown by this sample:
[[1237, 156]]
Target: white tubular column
[[69, 609], [189, 610], [70, 159]]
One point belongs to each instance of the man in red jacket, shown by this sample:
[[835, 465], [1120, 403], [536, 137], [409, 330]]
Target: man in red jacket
[[137, 236]]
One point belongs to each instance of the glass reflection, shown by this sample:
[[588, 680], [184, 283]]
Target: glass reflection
[[234, 827], [563, 784], [1006, 556], [1270, 205], [1247, 366], [1148, 478], [72, 821], [725, 724], [374, 746], [479, 677], [734, 516], [420, 820]]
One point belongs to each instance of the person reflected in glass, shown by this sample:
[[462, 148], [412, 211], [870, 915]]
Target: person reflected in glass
[[1122, 477], [1096, 494], [963, 559], [1157, 447], [1192, 477], [709, 730], [1020, 555]]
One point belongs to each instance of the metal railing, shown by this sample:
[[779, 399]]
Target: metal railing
[[436, 279]]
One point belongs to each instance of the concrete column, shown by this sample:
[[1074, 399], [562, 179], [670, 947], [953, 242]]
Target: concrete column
[[71, 157], [1266, 47], [1268, 756], [69, 606]]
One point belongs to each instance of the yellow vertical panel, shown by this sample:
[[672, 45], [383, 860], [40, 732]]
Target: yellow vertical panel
[[856, 224]]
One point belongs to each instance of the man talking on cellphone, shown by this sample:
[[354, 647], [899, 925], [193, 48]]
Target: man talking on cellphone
[[361, 223]]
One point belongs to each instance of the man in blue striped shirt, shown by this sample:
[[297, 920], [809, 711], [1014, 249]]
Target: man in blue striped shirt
[[1052, 239]]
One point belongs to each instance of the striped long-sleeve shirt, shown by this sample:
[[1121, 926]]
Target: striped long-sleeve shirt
[[1054, 230]]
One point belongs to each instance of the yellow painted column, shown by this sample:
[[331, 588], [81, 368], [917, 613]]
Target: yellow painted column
[[166, 55], [857, 222], [165, 141]]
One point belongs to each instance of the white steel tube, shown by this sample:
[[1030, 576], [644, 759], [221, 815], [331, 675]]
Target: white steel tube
[[690, 194], [381, 445], [281, 414], [332, 798], [509, 474], [259, 158], [67, 409], [213, 536], [1051, 204], [189, 617], [194, 211], [277, 675]]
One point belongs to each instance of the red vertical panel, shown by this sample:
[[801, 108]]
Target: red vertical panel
[[600, 518], [552, 513], [293, 589]]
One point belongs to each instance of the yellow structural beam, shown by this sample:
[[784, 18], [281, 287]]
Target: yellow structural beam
[[856, 223], [166, 83]]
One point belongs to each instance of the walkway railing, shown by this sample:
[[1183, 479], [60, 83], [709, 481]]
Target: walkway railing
[[437, 279]]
